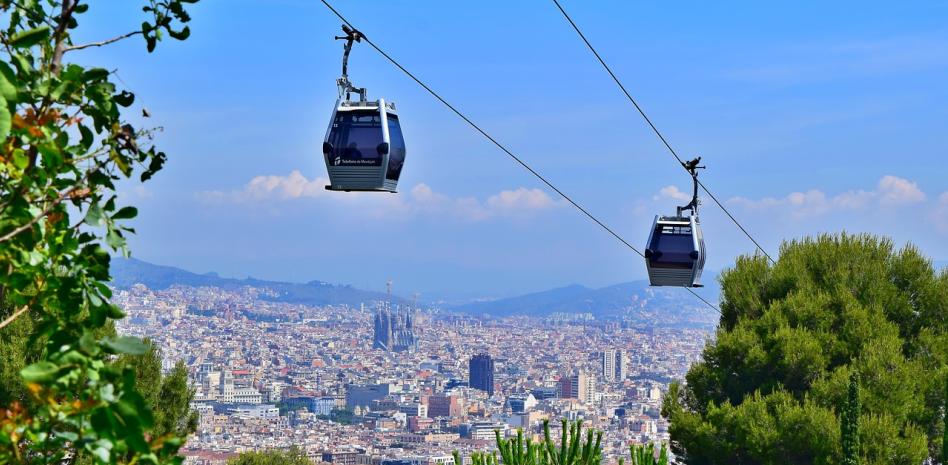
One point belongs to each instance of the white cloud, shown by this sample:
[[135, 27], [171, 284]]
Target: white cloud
[[521, 199], [672, 192], [890, 191], [420, 199], [897, 191], [293, 186]]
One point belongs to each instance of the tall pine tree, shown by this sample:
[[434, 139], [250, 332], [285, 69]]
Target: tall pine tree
[[849, 425]]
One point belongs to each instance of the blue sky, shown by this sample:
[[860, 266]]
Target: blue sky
[[812, 117]]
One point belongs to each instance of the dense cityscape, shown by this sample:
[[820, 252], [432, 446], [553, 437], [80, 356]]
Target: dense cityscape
[[390, 384]]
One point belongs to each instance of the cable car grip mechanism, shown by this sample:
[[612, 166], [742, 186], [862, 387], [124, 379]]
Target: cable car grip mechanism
[[692, 168], [345, 85]]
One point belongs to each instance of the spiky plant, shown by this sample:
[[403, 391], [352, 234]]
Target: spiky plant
[[573, 448], [642, 454]]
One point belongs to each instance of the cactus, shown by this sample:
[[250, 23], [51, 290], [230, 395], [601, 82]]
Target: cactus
[[573, 449], [645, 455]]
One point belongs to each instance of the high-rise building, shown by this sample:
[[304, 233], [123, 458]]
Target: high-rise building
[[622, 365], [394, 330], [579, 385], [481, 373], [608, 362], [443, 406], [614, 363]]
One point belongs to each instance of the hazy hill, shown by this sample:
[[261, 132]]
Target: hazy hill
[[625, 299], [127, 272], [633, 299]]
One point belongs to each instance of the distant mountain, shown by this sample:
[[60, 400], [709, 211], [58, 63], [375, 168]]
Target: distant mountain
[[128, 272], [625, 299], [633, 299]]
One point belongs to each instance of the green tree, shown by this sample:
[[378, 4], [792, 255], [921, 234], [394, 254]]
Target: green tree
[[294, 456], [168, 395], [16, 351], [850, 422], [791, 334], [944, 439], [64, 144]]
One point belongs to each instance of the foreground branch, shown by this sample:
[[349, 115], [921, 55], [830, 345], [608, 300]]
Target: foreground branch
[[59, 199], [14, 316], [102, 43]]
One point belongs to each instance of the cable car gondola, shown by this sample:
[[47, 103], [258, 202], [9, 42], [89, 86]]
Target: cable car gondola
[[675, 253], [363, 148]]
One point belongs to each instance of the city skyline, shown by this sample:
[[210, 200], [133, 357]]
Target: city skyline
[[272, 374]]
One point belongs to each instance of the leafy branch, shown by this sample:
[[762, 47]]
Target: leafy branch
[[64, 145]]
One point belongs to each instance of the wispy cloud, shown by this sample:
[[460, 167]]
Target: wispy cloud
[[272, 190], [673, 193], [890, 191]]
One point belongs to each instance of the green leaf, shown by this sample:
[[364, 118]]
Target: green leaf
[[180, 35], [40, 372], [126, 345], [6, 120], [68, 435], [115, 312], [125, 213], [95, 74], [87, 343], [65, 87], [95, 215], [26, 39], [136, 441], [87, 137], [7, 80], [51, 155], [23, 62], [124, 98], [102, 454], [115, 240], [20, 160]]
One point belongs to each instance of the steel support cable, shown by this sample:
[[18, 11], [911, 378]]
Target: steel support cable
[[655, 129], [503, 148]]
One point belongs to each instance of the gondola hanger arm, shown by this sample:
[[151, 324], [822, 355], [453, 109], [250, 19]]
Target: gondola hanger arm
[[692, 167]]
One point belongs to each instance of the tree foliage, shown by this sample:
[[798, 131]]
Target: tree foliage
[[849, 418], [168, 395], [770, 387], [64, 143], [293, 456]]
